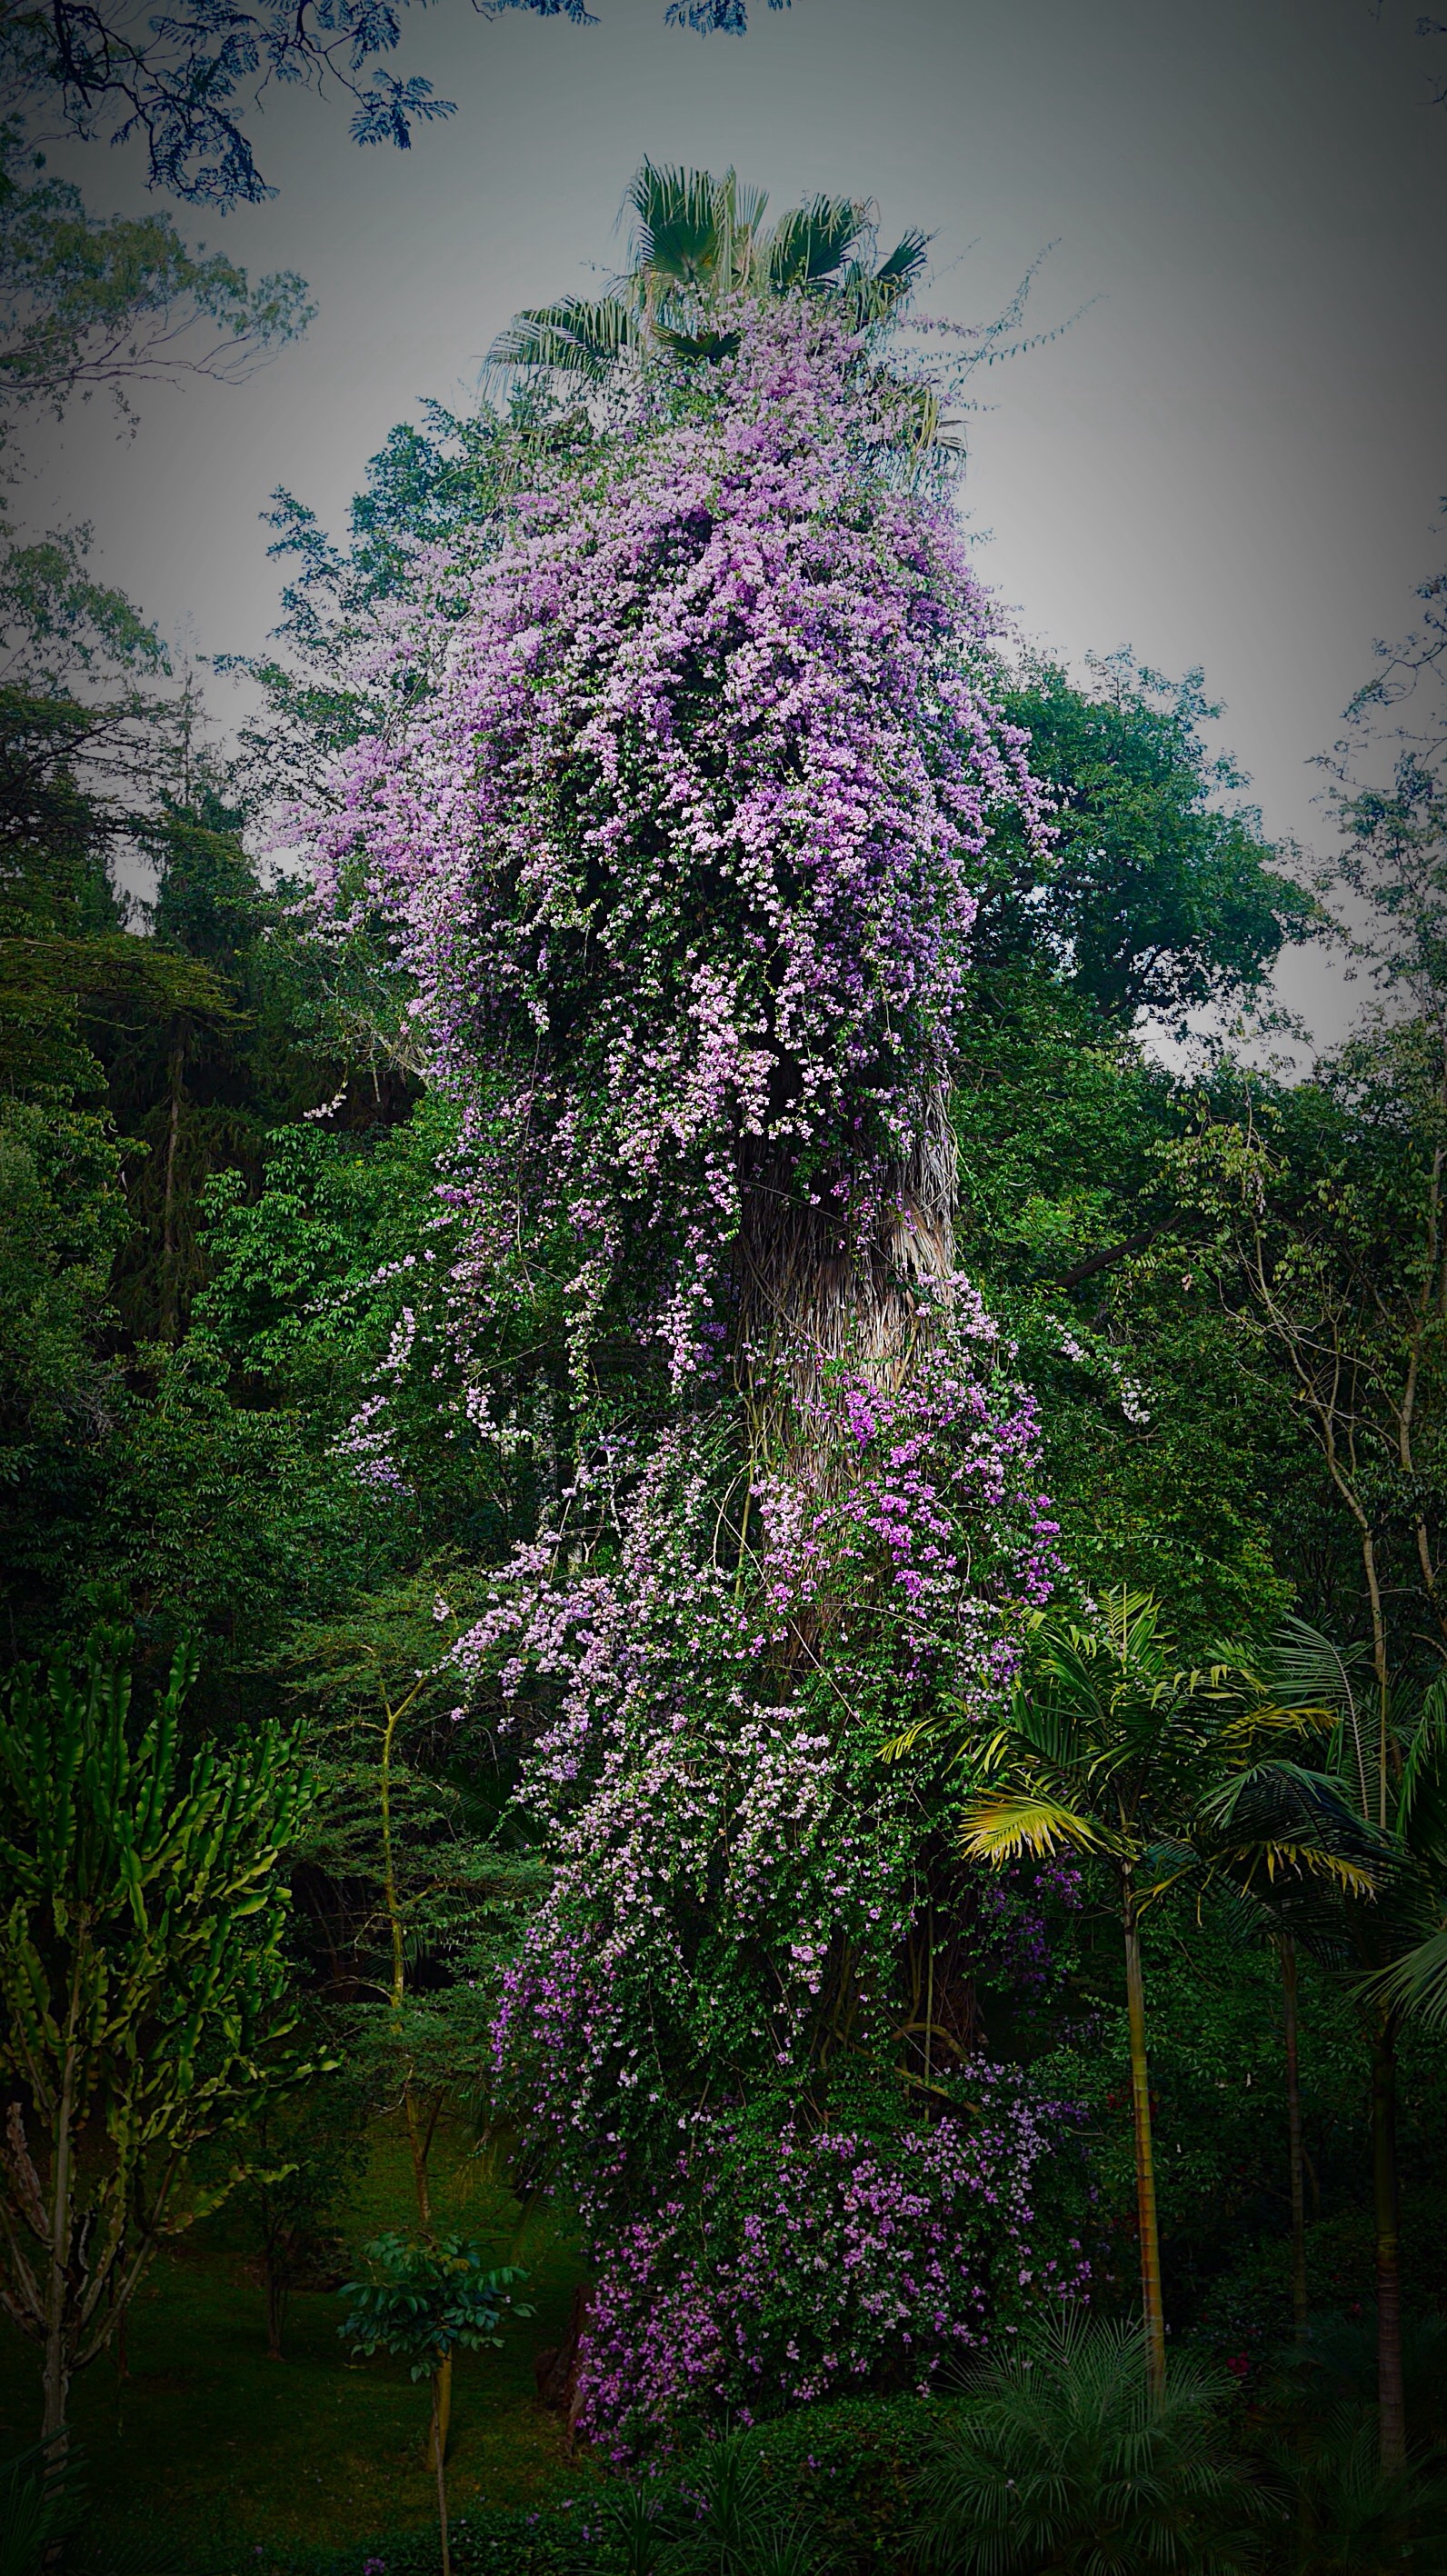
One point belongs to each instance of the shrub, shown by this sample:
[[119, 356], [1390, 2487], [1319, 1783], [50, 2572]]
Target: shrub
[[1060, 2457]]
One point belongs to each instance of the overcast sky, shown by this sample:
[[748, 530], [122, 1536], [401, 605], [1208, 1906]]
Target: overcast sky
[[1235, 458]]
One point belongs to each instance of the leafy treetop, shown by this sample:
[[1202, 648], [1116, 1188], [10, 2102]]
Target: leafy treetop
[[186, 83]]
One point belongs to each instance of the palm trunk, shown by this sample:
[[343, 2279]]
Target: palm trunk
[[1391, 2403], [170, 1249], [1145, 2167], [812, 1289], [437, 2450], [1299, 2305]]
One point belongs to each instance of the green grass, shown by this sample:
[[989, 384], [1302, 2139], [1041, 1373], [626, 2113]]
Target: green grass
[[213, 2440]]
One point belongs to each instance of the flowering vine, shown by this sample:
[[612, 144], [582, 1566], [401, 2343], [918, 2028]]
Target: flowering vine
[[807, 2264], [675, 839], [697, 1705], [678, 844]]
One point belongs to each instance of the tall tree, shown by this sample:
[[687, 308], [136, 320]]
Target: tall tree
[[1159, 896], [1328, 1199]]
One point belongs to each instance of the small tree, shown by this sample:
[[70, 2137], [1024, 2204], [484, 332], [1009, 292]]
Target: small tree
[[1109, 1746], [142, 1986], [304, 2149], [430, 2300]]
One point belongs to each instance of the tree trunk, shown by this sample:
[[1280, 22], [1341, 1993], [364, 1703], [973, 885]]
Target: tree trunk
[[170, 1248], [814, 1288], [55, 2423], [1391, 2403], [1145, 2168], [437, 2454], [275, 2307], [418, 2149], [1299, 2303], [441, 2412]]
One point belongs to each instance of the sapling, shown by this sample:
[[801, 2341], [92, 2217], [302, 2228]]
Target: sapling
[[429, 2301]]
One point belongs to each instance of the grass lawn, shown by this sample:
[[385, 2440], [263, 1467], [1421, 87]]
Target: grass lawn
[[212, 2440]]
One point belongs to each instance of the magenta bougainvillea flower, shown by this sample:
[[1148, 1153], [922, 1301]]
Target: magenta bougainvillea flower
[[677, 828], [776, 2271]]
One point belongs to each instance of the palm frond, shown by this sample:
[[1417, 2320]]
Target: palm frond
[[1415, 1983], [690, 225], [710, 345], [1271, 1715], [896, 276], [1310, 1666], [811, 243], [575, 337], [1278, 1817], [1002, 1823], [1422, 1794]]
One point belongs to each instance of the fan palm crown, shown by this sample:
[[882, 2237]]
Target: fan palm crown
[[698, 242]]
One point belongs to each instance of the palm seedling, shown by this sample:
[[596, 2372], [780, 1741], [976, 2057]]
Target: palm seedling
[[1066, 2455], [737, 2530]]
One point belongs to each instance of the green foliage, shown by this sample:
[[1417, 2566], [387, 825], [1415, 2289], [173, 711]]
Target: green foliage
[[443, 484], [1166, 1468], [61, 1218], [143, 2002], [1158, 900], [35, 2512], [1351, 2516], [429, 2301], [302, 2152], [1061, 2456], [115, 302], [1218, 2109]]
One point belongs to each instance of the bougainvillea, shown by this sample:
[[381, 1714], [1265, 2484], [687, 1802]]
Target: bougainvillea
[[678, 843], [807, 2264], [699, 1735]]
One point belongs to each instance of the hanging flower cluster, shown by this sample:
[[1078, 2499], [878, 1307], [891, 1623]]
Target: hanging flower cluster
[[777, 2270], [890, 1487], [698, 1729], [679, 844]]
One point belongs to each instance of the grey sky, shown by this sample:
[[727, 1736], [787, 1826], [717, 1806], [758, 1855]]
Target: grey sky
[[1234, 459]]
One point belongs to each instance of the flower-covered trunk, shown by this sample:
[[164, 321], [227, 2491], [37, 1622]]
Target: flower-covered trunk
[[847, 1274]]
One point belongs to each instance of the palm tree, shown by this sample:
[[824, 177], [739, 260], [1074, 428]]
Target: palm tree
[[1110, 1748], [1389, 1760], [699, 241], [1289, 1847]]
